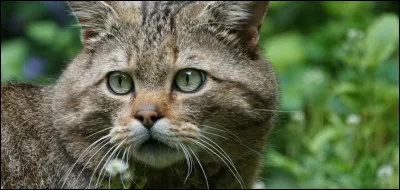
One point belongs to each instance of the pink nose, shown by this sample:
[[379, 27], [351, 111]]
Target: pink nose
[[147, 114]]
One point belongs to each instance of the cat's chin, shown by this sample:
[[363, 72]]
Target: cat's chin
[[157, 154]]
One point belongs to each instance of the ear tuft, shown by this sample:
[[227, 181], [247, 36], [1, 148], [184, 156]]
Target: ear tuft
[[95, 19], [243, 17]]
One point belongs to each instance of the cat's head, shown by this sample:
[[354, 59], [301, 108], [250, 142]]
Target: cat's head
[[165, 79]]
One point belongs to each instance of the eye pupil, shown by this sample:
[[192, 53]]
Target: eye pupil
[[187, 77], [120, 81]]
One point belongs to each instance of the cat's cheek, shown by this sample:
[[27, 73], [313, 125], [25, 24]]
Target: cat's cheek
[[133, 133], [175, 132], [189, 107], [123, 119]]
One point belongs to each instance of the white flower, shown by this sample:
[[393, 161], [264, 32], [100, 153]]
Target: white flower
[[315, 76], [116, 166], [385, 171], [352, 33], [259, 185], [353, 119], [298, 116]]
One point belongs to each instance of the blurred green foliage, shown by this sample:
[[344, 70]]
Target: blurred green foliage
[[338, 69], [338, 65]]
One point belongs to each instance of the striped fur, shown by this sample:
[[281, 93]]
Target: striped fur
[[151, 41]]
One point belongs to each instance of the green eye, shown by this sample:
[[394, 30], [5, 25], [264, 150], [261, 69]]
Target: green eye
[[120, 83], [189, 80]]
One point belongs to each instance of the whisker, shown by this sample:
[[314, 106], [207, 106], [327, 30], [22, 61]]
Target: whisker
[[192, 164], [290, 111], [109, 180], [185, 151], [226, 156], [216, 135], [127, 161], [104, 165], [237, 138], [90, 182], [113, 158], [223, 160], [226, 130], [230, 161], [82, 154], [123, 156], [87, 162], [129, 151], [201, 167], [107, 159], [257, 152], [99, 132]]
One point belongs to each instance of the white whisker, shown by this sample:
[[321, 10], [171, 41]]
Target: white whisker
[[123, 156], [107, 159], [266, 110], [94, 172], [129, 151], [237, 138], [83, 153], [226, 157], [185, 151], [223, 160], [87, 162], [99, 132], [201, 167]]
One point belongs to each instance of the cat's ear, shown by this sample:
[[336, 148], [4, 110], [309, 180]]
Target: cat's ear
[[244, 17], [95, 19]]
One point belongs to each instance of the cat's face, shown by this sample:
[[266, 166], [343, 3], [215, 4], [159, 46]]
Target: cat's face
[[159, 83]]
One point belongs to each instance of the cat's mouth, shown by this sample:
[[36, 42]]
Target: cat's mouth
[[157, 147], [153, 145], [156, 153]]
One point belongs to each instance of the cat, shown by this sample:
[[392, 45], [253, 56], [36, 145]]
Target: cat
[[178, 92]]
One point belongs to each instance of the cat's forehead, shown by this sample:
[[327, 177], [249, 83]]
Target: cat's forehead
[[154, 43], [148, 13], [153, 19]]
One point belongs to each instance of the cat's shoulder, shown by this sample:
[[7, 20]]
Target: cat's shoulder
[[21, 98], [18, 87], [21, 91]]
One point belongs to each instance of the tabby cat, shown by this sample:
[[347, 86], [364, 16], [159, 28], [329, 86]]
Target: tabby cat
[[177, 92]]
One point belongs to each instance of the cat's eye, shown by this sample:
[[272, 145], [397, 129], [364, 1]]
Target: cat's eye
[[120, 82], [189, 80]]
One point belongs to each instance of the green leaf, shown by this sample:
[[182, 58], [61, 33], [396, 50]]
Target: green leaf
[[13, 55], [323, 137], [43, 32], [285, 50], [382, 40], [277, 160], [345, 9], [344, 88]]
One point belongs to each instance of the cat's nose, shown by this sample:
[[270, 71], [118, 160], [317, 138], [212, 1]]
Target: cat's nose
[[147, 114]]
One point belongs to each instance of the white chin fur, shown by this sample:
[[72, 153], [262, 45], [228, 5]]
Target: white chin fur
[[163, 157], [158, 160]]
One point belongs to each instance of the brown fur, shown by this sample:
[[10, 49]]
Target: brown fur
[[45, 129]]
